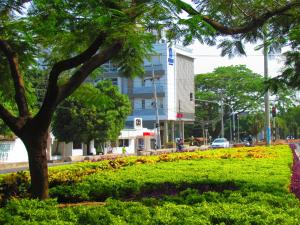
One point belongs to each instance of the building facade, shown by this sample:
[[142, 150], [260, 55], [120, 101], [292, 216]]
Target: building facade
[[173, 70]]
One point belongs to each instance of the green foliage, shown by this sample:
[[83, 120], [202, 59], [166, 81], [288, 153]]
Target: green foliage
[[35, 212], [92, 113], [290, 121], [240, 89], [244, 188], [139, 179], [14, 185], [252, 123]]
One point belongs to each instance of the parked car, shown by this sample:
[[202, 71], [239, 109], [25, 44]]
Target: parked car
[[220, 143]]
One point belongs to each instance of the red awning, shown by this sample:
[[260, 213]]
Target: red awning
[[148, 133], [179, 115]]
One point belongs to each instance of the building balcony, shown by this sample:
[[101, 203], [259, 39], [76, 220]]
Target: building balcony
[[109, 69], [147, 112], [147, 90]]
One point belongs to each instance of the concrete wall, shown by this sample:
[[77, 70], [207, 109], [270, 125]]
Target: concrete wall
[[185, 86], [13, 151]]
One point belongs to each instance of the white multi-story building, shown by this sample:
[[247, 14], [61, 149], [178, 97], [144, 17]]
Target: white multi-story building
[[173, 69]]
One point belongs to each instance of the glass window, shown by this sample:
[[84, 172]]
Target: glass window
[[156, 59], [4, 149], [124, 142], [137, 103], [149, 103], [114, 81], [160, 103]]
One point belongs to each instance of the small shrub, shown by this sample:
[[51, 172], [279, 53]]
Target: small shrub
[[15, 185]]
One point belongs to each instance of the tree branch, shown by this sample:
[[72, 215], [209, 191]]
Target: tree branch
[[80, 75], [9, 119], [244, 28], [59, 67], [74, 82], [18, 81]]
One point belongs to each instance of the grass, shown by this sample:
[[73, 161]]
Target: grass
[[230, 186]]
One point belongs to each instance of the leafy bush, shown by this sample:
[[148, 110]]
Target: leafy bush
[[230, 186], [14, 185], [211, 189]]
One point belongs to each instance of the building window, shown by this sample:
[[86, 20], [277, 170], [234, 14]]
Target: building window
[[191, 97], [4, 149], [143, 83], [160, 103], [143, 103], [114, 81], [156, 59], [123, 142], [137, 103]]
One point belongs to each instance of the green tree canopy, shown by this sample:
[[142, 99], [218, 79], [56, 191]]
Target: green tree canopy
[[237, 87], [92, 113]]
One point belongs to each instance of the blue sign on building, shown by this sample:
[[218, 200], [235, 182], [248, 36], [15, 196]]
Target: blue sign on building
[[171, 59]]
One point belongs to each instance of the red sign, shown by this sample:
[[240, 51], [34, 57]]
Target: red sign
[[148, 134], [179, 115]]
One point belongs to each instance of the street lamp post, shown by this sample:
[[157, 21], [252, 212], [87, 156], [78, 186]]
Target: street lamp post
[[238, 127], [157, 123], [222, 119], [267, 101], [233, 119]]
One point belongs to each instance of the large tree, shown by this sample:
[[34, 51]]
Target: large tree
[[66, 39], [92, 113], [237, 88]]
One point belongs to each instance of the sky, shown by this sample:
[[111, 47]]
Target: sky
[[207, 58]]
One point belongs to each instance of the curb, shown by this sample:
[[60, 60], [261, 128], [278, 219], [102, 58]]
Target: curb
[[295, 178]]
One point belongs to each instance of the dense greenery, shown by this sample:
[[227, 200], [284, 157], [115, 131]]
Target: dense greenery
[[237, 87], [92, 113], [240, 90], [288, 122], [231, 186]]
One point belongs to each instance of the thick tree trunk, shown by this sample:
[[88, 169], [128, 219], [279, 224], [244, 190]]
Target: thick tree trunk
[[36, 145], [88, 148]]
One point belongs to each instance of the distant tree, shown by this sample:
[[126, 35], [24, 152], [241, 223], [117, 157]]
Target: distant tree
[[252, 123], [292, 121], [92, 113], [239, 89]]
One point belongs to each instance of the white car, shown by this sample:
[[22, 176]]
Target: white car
[[220, 143]]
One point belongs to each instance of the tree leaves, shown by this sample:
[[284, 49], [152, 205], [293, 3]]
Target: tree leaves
[[92, 113]]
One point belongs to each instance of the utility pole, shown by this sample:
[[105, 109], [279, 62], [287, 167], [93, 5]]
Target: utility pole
[[238, 127], [267, 94], [222, 119], [230, 130], [233, 125], [157, 125]]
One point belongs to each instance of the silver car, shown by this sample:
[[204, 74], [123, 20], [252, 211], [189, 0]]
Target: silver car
[[220, 143]]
